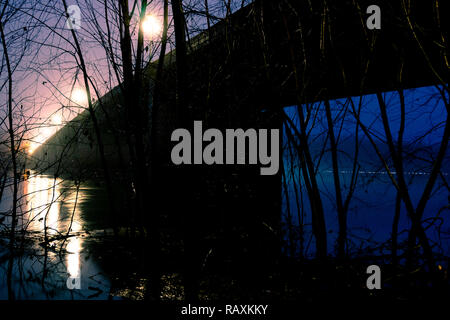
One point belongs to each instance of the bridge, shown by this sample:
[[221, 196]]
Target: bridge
[[266, 56]]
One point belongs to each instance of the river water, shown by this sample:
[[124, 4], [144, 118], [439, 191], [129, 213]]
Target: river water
[[371, 210], [72, 217], [79, 227]]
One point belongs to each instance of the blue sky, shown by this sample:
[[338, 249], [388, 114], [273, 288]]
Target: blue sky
[[424, 107]]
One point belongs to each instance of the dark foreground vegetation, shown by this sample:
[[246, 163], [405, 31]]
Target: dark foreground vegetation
[[364, 120]]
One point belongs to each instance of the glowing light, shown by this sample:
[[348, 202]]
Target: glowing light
[[43, 134], [151, 25], [43, 209], [79, 96], [73, 257], [42, 196], [57, 119]]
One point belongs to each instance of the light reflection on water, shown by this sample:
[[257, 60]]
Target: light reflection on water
[[45, 198], [53, 205], [74, 244], [42, 196]]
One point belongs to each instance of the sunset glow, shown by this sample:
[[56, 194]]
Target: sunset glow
[[44, 133]]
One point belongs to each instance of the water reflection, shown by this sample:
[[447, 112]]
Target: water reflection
[[74, 243], [42, 203], [51, 212], [73, 257], [48, 204]]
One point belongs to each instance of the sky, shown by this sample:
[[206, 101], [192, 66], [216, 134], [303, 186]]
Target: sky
[[47, 83], [371, 209], [424, 121], [48, 87]]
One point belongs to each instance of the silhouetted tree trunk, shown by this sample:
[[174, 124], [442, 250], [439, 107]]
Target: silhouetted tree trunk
[[398, 199], [318, 217], [184, 113], [416, 227], [107, 175], [342, 215], [13, 153], [155, 177]]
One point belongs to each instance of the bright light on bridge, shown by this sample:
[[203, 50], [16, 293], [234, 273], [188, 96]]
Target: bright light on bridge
[[151, 26], [79, 96], [57, 119], [46, 131]]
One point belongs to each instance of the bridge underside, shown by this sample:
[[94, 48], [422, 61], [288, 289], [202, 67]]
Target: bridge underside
[[264, 58]]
